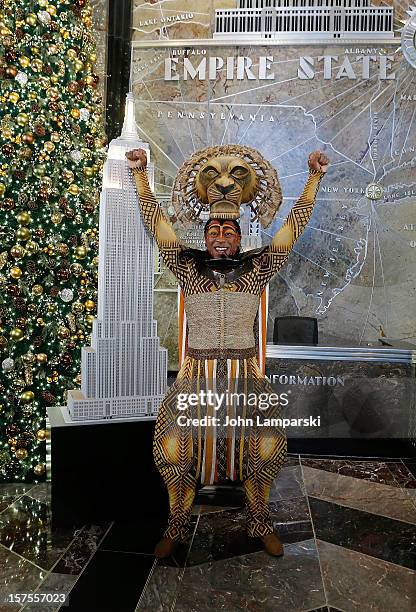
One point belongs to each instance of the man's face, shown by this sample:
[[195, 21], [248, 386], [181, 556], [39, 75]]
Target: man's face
[[222, 239]]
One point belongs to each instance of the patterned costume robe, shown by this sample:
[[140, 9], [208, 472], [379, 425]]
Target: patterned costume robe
[[222, 357]]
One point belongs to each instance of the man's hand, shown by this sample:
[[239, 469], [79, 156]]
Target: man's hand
[[318, 161], [137, 158]]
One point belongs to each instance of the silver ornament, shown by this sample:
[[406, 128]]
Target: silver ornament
[[84, 114], [76, 156], [67, 295], [7, 364], [44, 17], [21, 78]]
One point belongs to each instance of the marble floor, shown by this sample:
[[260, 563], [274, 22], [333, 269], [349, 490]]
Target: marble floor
[[348, 527]]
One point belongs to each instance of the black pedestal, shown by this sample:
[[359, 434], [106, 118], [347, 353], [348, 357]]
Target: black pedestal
[[103, 471]]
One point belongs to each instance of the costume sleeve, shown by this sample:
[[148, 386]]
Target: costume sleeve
[[174, 254], [274, 256]]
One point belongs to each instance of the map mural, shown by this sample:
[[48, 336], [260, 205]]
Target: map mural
[[340, 79]]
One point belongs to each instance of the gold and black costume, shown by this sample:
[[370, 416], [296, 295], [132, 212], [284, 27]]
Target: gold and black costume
[[222, 355]]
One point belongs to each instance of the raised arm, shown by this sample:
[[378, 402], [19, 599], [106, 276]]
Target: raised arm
[[283, 241], [173, 253]]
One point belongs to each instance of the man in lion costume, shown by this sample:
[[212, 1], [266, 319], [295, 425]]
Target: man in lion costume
[[222, 288]]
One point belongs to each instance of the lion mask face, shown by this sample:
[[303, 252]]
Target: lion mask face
[[224, 183]]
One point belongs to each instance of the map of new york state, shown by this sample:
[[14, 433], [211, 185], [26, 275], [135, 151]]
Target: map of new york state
[[354, 267]]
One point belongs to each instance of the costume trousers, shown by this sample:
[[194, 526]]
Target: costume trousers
[[238, 447]]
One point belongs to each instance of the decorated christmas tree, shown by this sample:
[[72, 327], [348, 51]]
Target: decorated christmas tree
[[51, 156]]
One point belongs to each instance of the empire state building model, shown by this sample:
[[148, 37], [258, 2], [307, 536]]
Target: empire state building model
[[124, 372]]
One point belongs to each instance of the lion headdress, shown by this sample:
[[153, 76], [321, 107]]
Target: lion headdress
[[218, 180]]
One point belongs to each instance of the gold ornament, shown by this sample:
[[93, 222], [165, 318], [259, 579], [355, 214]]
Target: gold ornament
[[2, 189], [56, 218], [17, 334], [26, 152], [63, 332], [78, 65], [32, 247], [51, 9], [89, 305], [43, 3], [27, 396], [93, 58], [39, 469], [22, 119], [14, 97], [52, 307], [72, 54], [77, 307], [88, 171], [31, 19], [24, 61], [90, 319], [16, 272], [55, 137], [17, 251], [37, 289], [76, 269], [68, 175], [21, 453], [28, 137], [23, 218], [36, 65], [73, 189], [40, 322], [62, 249], [75, 113], [39, 170], [7, 133], [41, 434], [12, 441], [90, 80], [42, 358], [28, 357], [23, 233], [49, 146], [52, 93], [80, 252]]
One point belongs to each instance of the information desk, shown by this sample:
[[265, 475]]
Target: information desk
[[364, 395]]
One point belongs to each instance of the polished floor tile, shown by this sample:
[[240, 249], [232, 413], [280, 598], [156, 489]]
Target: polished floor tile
[[9, 492], [255, 582], [366, 470], [377, 536], [403, 475], [25, 528], [355, 582], [41, 492], [161, 590], [84, 545], [134, 536], [221, 536], [291, 519], [373, 497], [17, 576], [288, 484], [111, 582]]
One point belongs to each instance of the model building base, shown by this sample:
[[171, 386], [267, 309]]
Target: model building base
[[103, 471]]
